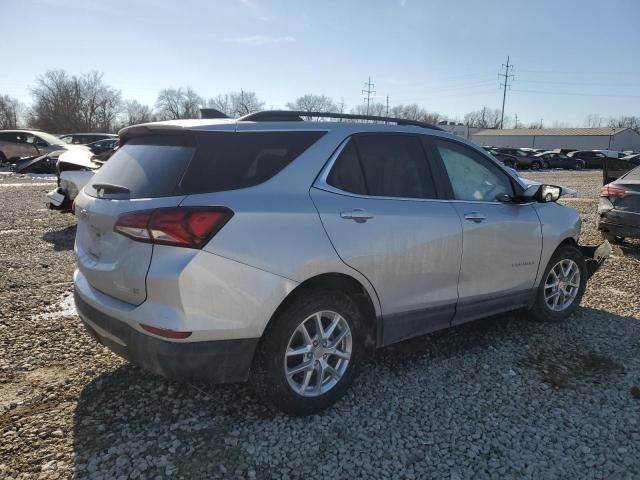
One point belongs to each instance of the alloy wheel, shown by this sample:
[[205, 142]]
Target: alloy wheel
[[318, 353], [562, 285]]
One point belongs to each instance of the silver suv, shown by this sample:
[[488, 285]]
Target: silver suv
[[285, 251]]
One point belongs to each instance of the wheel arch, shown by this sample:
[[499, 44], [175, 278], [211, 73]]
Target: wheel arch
[[365, 299]]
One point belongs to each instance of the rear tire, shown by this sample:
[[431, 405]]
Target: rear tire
[[579, 165], [535, 166], [568, 271], [3, 159], [324, 377]]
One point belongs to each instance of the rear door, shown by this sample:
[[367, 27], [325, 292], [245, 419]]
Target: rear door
[[502, 240], [379, 204], [143, 174]]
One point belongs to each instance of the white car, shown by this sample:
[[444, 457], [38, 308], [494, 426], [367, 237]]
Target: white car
[[74, 170]]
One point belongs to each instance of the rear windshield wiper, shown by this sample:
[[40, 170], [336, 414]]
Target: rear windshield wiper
[[110, 188]]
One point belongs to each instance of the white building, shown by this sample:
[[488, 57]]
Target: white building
[[549, 138]]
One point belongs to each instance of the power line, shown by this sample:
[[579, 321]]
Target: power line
[[506, 77], [368, 90], [577, 94]]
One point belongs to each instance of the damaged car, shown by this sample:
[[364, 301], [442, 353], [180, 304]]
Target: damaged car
[[74, 169], [284, 251]]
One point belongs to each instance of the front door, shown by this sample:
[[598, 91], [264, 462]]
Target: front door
[[378, 205], [502, 240]]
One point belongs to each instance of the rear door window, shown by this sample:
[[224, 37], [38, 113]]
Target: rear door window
[[383, 166], [395, 166]]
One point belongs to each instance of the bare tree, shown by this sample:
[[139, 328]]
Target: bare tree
[[593, 120], [413, 111], [10, 112], [135, 113], [484, 118], [313, 103], [375, 108], [64, 103], [625, 121], [236, 104]]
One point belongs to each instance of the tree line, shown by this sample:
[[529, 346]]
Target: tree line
[[73, 103]]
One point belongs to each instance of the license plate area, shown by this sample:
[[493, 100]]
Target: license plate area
[[95, 242]]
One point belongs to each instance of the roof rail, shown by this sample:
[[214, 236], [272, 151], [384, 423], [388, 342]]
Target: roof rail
[[297, 116]]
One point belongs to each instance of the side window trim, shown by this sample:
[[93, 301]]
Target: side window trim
[[516, 188]]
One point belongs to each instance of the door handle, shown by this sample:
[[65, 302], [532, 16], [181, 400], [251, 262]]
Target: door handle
[[357, 214], [474, 217]]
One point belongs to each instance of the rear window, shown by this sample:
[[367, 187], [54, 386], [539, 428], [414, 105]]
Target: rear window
[[166, 165], [147, 166]]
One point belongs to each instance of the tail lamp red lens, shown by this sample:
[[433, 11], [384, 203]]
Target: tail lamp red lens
[[166, 333], [190, 227], [610, 192]]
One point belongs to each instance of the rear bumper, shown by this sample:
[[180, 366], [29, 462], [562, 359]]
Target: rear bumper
[[595, 255], [622, 230], [217, 360]]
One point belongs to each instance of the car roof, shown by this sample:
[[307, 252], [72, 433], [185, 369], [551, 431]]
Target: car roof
[[19, 130]]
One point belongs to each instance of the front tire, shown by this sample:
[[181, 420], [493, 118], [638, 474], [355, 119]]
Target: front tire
[[562, 286], [310, 353], [579, 165], [535, 166]]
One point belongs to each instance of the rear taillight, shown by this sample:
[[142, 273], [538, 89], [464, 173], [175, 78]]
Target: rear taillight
[[190, 227], [610, 192]]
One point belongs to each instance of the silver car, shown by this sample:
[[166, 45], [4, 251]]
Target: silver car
[[27, 143], [285, 251]]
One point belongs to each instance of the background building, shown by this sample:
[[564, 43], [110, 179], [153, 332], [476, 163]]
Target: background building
[[459, 129], [549, 138]]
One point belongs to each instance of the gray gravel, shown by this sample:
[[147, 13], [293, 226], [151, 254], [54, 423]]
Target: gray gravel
[[499, 398]]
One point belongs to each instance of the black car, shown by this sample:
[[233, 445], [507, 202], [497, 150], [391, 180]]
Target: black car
[[85, 138], [523, 158], [507, 160], [555, 159], [619, 207], [102, 146]]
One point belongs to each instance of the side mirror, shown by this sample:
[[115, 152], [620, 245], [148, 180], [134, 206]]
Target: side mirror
[[542, 193]]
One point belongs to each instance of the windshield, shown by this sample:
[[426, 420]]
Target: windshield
[[50, 139]]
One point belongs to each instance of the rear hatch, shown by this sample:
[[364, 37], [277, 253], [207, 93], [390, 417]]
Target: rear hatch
[[145, 173]]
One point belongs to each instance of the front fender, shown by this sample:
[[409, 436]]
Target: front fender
[[558, 223]]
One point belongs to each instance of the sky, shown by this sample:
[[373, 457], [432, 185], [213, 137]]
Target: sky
[[571, 57]]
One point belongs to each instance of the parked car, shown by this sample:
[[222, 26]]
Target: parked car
[[594, 158], [507, 160], [524, 158], [74, 169], [284, 251], [102, 146], [86, 138], [619, 207], [23, 143], [554, 159]]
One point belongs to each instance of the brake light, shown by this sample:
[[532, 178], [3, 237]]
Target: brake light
[[190, 227], [611, 192]]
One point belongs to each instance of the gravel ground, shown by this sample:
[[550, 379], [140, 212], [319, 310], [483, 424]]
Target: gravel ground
[[498, 398]]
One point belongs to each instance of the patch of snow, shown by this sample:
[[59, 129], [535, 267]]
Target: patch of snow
[[30, 184], [64, 308]]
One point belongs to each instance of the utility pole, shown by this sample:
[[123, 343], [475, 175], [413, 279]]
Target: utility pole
[[387, 106], [516, 121], [506, 77], [368, 90]]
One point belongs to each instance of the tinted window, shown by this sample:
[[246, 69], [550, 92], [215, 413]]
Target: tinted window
[[394, 166], [346, 173], [148, 166], [228, 161], [473, 177]]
